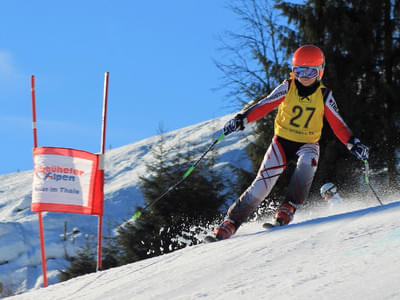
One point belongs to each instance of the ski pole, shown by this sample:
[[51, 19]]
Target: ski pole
[[139, 213], [367, 180]]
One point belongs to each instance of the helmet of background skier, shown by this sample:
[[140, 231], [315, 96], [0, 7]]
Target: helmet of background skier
[[328, 187], [309, 56]]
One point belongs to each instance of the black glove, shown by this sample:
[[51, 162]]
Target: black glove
[[359, 150], [234, 124]]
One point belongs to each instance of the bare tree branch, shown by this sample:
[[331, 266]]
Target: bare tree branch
[[254, 61]]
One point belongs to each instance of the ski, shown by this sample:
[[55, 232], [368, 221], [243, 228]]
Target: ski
[[210, 239], [268, 226]]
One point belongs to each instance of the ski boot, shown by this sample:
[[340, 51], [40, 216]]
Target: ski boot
[[225, 230], [283, 215]]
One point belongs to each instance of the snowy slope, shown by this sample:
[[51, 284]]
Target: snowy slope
[[353, 255], [20, 260], [349, 252]]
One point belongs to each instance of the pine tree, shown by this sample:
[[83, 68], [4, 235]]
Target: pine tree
[[83, 263], [86, 259]]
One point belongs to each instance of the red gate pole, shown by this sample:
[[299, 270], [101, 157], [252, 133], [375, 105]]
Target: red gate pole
[[103, 142], [105, 99], [34, 112], [42, 246]]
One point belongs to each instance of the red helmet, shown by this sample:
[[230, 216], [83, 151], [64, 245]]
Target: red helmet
[[309, 56]]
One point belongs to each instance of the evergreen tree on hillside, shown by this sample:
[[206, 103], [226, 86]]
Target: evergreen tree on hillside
[[83, 263], [173, 222], [86, 259]]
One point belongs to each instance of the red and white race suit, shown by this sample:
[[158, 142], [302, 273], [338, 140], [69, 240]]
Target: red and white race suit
[[298, 127]]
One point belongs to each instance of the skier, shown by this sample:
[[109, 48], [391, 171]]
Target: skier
[[329, 193], [303, 101]]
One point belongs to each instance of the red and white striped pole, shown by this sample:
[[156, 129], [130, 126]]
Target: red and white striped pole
[[103, 143], [34, 112], [104, 119], [42, 246]]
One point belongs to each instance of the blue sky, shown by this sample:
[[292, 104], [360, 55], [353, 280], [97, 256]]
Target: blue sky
[[159, 55]]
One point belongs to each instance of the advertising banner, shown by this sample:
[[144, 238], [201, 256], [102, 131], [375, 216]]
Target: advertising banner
[[67, 180]]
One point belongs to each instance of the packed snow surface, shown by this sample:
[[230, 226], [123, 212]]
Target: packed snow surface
[[353, 255]]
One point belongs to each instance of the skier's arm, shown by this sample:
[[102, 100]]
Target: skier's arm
[[258, 110], [339, 127], [266, 105], [342, 131]]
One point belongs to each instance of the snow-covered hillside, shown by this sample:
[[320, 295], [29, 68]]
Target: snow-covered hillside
[[20, 260], [353, 255], [351, 252]]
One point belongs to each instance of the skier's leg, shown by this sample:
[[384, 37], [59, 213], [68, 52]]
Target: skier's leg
[[273, 165], [300, 182]]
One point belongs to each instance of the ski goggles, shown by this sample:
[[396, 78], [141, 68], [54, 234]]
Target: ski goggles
[[306, 72], [327, 192]]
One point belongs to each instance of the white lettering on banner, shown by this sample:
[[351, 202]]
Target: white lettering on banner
[[61, 179]]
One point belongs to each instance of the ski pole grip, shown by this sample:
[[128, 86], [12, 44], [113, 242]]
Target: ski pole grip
[[137, 215], [188, 172]]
